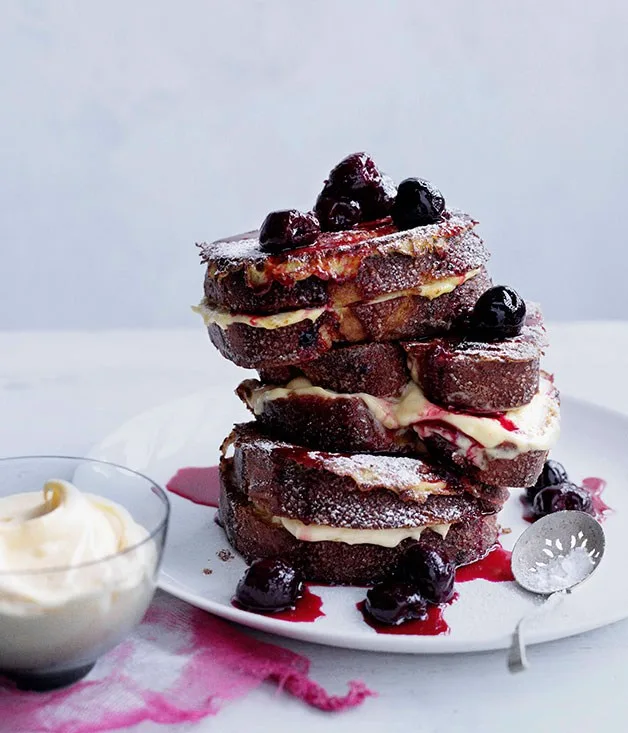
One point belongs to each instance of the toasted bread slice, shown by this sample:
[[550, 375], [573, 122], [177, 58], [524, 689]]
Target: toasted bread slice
[[464, 374], [452, 371], [256, 534], [341, 267], [379, 369], [323, 419], [293, 337], [359, 491], [503, 449]]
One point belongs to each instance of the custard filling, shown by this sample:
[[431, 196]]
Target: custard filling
[[223, 318]]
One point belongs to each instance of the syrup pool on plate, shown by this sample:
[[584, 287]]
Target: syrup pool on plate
[[495, 568], [433, 625], [595, 486], [306, 610], [200, 485]]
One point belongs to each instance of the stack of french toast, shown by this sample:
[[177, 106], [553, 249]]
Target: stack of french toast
[[399, 395]]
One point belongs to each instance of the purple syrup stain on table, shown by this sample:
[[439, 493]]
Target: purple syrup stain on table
[[527, 509], [200, 485], [209, 663]]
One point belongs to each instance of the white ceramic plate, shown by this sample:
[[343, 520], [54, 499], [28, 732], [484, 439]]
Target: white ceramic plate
[[187, 432]]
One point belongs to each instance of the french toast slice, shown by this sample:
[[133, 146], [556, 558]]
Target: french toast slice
[[379, 369], [293, 337], [359, 264], [347, 519], [464, 374], [355, 491], [323, 419], [501, 449], [453, 371]]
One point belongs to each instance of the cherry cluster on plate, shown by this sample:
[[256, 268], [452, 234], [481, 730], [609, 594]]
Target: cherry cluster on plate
[[355, 192], [553, 492], [423, 576]]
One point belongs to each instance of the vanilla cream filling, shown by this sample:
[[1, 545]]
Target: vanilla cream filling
[[537, 424], [384, 537], [432, 290], [223, 318]]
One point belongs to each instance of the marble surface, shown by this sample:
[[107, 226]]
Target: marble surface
[[62, 392]]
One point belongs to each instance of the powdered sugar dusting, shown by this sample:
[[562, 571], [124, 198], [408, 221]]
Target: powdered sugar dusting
[[396, 472], [236, 250], [392, 472], [233, 253], [369, 507], [563, 571]]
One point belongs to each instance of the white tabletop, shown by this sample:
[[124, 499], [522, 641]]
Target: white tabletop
[[62, 392]]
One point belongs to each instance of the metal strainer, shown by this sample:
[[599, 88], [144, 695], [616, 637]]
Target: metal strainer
[[553, 556]]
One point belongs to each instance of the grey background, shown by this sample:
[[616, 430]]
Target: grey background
[[130, 130]]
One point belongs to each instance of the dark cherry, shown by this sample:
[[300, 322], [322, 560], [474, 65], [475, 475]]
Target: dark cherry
[[377, 200], [355, 172], [337, 215], [430, 572], [393, 602], [561, 497], [357, 178], [288, 229], [418, 203], [499, 313], [269, 585], [553, 473]]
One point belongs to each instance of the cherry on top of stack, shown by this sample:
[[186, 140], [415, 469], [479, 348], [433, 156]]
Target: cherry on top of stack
[[374, 327], [371, 263]]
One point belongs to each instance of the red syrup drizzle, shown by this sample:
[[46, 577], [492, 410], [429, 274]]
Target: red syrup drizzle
[[307, 609], [199, 485], [495, 567], [433, 625], [506, 423], [595, 487]]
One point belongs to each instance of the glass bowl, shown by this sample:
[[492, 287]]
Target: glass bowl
[[51, 645]]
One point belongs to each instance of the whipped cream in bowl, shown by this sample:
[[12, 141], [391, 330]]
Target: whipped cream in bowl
[[81, 542]]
